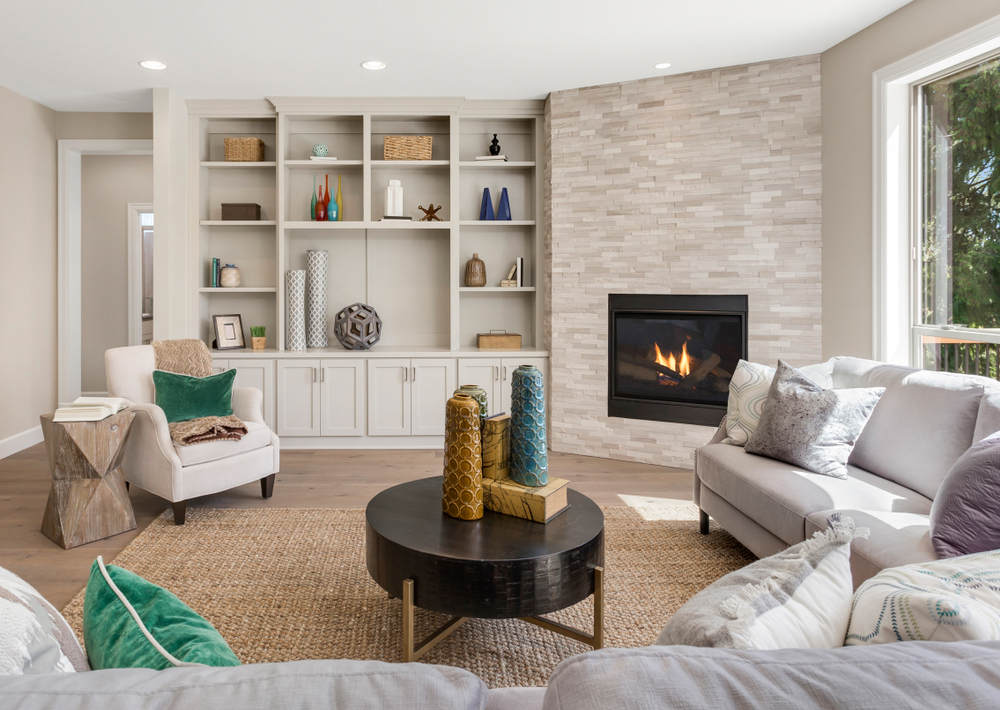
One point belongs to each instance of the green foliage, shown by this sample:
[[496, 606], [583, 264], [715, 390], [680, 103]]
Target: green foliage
[[257, 331], [967, 110]]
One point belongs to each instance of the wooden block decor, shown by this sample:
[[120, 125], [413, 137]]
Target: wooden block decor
[[88, 500], [536, 503], [496, 446], [462, 490]]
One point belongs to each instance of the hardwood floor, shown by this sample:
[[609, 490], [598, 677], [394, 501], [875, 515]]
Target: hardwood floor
[[308, 479]]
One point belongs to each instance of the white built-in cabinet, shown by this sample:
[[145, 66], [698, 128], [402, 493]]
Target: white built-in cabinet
[[406, 397], [494, 376], [321, 397], [255, 373]]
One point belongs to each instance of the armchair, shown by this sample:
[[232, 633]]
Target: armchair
[[179, 473]]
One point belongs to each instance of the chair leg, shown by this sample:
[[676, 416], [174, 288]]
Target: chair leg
[[180, 509], [267, 485], [703, 521], [128, 486]]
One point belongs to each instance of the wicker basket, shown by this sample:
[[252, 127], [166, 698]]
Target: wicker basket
[[407, 147], [244, 149]]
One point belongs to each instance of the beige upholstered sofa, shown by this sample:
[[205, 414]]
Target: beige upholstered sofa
[[923, 423], [179, 473]]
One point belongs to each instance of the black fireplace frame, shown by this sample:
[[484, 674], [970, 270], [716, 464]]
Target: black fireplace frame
[[667, 304]]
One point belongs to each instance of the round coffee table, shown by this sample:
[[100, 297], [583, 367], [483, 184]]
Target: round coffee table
[[499, 567]]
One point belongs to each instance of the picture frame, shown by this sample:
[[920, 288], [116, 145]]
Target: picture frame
[[228, 331]]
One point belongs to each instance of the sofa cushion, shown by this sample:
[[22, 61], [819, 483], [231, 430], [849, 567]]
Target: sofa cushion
[[895, 539], [183, 397], [965, 516], [779, 496], [303, 685], [34, 637], [257, 437], [988, 418], [923, 423], [902, 676]]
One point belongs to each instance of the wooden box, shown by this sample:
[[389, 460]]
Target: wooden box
[[498, 340], [539, 505], [496, 446], [240, 211]]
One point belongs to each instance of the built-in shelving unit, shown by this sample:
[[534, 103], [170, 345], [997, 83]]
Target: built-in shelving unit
[[410, 271]]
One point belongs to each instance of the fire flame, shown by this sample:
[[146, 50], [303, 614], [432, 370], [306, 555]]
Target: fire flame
[[682, 367]]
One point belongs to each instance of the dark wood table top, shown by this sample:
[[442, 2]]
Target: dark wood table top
[[496, 567]]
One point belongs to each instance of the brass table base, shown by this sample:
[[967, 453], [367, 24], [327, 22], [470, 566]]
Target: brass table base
[[413, 651]]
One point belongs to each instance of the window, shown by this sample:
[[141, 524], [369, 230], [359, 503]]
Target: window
[[957, 259]]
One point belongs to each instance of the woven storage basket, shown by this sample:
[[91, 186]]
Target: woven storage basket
[[244, 149], [407, 147]]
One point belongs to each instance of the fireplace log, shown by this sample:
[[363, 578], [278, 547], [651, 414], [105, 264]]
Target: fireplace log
[[646, 369], [701, 372]]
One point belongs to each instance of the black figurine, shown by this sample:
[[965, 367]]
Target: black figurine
[[495, 146]]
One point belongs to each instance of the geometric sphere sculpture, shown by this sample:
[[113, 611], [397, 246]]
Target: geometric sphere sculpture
[[357, 327]]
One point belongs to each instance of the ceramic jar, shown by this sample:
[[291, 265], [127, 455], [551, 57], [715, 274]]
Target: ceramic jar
[[462, 490], [475, 271], [229, 276], [529, 461], [478, 394], [321, 150]]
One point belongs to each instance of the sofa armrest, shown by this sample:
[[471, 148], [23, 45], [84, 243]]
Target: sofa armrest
[[151, 432], [248, 404]]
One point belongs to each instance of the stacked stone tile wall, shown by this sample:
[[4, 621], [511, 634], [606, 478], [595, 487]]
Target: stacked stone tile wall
[[699, 183]]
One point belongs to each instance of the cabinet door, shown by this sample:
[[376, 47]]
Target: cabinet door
[[388, 397], [343, 399], [507, 367], [220, 366], [259, 374], [484, 372], [298, 397], [432, 382]]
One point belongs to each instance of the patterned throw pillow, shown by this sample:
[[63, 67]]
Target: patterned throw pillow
[[34, 637], [798, 598], [955, 599], [748, 391]]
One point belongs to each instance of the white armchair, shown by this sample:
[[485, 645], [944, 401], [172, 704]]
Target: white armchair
[[179, 473]]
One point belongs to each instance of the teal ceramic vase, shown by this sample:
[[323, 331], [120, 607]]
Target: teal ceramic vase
[[529, 460], [478, 394]]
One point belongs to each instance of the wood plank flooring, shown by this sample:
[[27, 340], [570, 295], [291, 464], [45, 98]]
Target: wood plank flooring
[[308, 479]]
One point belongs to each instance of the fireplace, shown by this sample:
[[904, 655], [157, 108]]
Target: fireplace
[[670, 357]]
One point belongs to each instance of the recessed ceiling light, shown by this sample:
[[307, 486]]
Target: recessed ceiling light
[[373, 65], [154, 64], [662, 65]]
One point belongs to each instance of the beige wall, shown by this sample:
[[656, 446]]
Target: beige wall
[[110, 183], [28, 262], [79, 124], [847, 156], [704, 183]]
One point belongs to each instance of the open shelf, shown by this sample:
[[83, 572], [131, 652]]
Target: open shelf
[[237, 289], [237, 223], [497, 223], [317, 165], [497, 289], [497, 164], [238, 164], [377, 164], [343, 136], [386, 224]]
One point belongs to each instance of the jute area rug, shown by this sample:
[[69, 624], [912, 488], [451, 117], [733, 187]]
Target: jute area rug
[[290, 584]]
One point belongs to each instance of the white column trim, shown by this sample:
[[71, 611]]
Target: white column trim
[[893, 210]]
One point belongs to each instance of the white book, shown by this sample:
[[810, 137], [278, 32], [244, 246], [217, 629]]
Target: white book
[[502, 158], [323, 158], [90, 409], [520, 271]]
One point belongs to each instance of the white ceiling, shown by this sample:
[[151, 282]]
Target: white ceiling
[[81, 55]]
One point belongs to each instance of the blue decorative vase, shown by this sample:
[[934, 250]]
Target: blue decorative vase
[[503, 209], [486, 208], [529, 459]]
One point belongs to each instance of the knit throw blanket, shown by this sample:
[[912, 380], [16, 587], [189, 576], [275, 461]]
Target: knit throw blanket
[[191, 357]]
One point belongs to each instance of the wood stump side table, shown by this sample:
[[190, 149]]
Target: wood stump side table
[[88, 500]]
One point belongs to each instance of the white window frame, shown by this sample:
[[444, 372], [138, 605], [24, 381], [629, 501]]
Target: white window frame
[[895, 206]]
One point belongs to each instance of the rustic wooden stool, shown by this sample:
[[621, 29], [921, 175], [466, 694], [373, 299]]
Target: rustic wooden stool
[[88, 500]]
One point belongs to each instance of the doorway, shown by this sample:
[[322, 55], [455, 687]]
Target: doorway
[[140, 273]]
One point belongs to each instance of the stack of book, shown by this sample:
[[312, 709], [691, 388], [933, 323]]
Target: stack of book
[[90, 409], [323, 159], [216, 271], [515, 277], [492, 158]]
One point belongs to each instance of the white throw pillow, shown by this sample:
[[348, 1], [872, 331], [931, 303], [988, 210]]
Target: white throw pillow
[[798, 598], [954, 599], [748, 392]]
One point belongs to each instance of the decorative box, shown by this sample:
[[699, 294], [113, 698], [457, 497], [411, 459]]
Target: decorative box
[[539, 504], [496, 446], [240, 211], [498, 340], [243, 149], [407, 147]]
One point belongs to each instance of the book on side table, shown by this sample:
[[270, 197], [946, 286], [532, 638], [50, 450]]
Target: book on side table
[[90, 409]]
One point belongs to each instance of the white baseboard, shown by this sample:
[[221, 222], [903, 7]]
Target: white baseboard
[[20, 442]]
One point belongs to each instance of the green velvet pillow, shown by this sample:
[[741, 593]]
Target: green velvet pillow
[[182, 397], [159, 631]]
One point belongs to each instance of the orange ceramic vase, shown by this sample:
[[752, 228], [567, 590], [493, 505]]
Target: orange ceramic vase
[[462, 493]]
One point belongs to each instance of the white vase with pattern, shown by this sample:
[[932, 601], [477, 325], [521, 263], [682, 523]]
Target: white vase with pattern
[[317, 269], [295, 310]]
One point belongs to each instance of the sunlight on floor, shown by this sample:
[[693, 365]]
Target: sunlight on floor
[[661, 508]]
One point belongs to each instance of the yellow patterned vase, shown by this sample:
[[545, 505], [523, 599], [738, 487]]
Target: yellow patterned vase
[[462, 493]]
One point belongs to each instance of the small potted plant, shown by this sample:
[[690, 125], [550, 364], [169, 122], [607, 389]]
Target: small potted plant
[[258, 337]]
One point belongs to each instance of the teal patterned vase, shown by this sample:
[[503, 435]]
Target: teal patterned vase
[[478, 394], [529, 459]]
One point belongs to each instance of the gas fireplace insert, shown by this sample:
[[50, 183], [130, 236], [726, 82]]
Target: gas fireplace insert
[[670, 357]]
